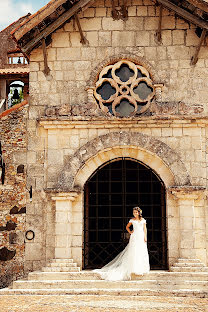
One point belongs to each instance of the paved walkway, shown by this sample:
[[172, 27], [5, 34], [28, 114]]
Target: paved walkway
[[83, 303]]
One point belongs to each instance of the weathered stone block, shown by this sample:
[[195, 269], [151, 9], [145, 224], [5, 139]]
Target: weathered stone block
[[142, 10], [59, 75], [34, 66], [90, 12], [100, 12], [166, 37], [51, 54], [74, 141], [55, 157], [181, 24], [168, 22], [105, 38], [151, 10], [179, 52], [132, 11], [178, 37], [60, 40], [134, 23], [82, 65], [110, 24], [37, 55], [123, 39], [151, 23], [61, 241], [68, 54], [75, 39], [33, 76], [91, 24], [88, 53], [92, 37], [142, 38], [151, 53], [33, 251], [77, 241], [69, 75]]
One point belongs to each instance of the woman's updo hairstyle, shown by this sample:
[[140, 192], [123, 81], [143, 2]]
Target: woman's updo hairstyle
[[139, 211]]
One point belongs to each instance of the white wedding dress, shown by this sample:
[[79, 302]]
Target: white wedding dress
[[133, 259]]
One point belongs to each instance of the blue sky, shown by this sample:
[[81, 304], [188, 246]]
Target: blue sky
[[11, 10]]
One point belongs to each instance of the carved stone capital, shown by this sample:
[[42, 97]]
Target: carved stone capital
[[71, 196], [188, 192], [158, 91]]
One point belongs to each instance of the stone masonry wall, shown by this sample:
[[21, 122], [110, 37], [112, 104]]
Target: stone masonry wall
[[13, 194], [62, 139], [71, 63], [53, 142]]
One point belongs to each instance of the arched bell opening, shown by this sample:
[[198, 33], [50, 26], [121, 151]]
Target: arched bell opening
[[110, 194]]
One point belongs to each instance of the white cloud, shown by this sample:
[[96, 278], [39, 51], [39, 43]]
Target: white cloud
[[11, 10]]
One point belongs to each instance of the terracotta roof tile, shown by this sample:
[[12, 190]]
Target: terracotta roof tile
[[13, 23], [43, 13], [13, 108], [18, 70]]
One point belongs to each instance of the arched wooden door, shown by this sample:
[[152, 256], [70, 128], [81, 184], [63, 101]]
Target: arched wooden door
[[110, 194]]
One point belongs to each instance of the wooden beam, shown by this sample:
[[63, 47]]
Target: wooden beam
[[83, 39], [46, 68], [124, 10], [195, 57], [158, 33], [52, 27], [184, 14], [114, 13]]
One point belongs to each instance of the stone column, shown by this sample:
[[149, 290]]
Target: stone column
[[187, 218], [63, 221]]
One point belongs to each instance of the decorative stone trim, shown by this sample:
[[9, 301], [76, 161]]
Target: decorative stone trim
[[118, 139], [71, 196], [158, 91], [124, 89], [189, 192]]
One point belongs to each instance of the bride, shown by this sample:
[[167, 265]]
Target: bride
[[134, 258]]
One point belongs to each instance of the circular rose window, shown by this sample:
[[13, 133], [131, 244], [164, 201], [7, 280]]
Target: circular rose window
[[124, 89]]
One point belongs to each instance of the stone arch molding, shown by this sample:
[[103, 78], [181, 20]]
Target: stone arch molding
[[152, 152], [115, 58]]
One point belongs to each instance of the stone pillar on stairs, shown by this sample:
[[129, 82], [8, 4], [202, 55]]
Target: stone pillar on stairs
[[186, 197], [63, 220]]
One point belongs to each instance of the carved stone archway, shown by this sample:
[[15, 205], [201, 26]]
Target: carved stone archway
[[156, 154]]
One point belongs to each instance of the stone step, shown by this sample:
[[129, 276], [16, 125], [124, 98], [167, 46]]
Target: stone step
[[163, 275], [191, 264], [89, 275], [189, 260], [64, 264], [188, 269], [61, 260], [111, 292], [82, 284], [61, 269], [82, 275]]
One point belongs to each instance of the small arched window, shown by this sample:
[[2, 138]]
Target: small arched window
[[124, 89]]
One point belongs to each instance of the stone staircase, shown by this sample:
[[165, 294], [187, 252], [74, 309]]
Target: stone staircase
[[189, 265], [61, 265], [63, 276]]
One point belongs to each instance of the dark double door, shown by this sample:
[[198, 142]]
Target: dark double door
[[110, 194]]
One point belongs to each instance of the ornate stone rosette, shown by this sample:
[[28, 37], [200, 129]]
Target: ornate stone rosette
[[124, 89]]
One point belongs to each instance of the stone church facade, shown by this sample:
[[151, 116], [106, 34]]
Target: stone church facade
[[132, 90]]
